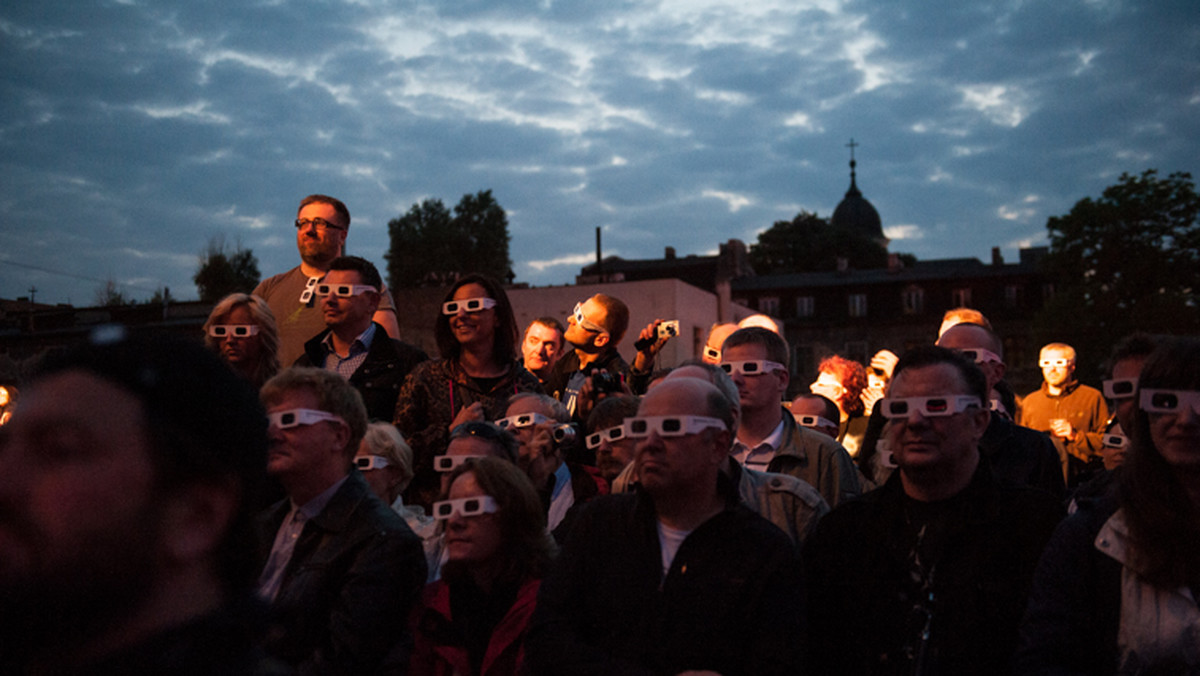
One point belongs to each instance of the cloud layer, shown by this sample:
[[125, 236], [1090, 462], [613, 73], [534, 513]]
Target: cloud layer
[[134, 132]]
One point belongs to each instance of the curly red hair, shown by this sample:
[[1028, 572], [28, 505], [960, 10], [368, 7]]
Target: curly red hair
[[853, 379]]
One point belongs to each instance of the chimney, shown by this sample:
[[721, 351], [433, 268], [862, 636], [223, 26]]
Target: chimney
[[997, 259], [669, 254]]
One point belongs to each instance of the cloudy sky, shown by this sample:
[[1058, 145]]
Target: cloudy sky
[[135, 131]]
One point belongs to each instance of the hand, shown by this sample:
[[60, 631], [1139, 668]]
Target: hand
[[884, 360], [869, 396], [644, 359], [540, 461], [1061, 427], [471, 413]]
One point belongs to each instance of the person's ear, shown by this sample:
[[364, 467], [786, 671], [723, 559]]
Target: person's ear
[[601, 339]]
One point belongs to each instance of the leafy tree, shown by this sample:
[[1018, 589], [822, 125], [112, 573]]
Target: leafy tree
[[808, 243], [1127, 261], [431, 247], [222, 272]]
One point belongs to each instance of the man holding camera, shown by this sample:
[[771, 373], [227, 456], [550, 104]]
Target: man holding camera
[[594, 330], [542, 428]]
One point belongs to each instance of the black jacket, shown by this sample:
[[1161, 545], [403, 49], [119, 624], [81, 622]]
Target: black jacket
[[732, 601], [380, 376], [1022, 456], [863, 601], [343, 604]]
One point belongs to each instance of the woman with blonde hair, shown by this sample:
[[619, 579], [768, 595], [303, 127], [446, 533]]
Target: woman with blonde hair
[[241, 329]]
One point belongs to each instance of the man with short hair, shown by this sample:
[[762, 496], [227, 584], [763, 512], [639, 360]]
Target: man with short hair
[[930, 572], [594, 330], [322, 223], [342, 569], [355, 346], [678, 576], [1125, 366], [606, 435], [542, 346], [1071, 412], [1018, 454], [768, 438], [127, 484], [816, 413]]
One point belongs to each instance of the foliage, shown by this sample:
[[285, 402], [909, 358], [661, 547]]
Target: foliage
[[110, 295], [431, 247], [1127, 261], [809, 243], [222, 272]]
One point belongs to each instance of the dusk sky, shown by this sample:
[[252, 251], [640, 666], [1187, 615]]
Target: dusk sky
[[133, 132]]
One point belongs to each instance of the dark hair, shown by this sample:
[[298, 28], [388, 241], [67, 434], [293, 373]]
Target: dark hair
[[365, 269], [832, 413], [550, 323], [504, 341], [932, 355], [775, 345], [616, 316], [334, 202], [1135, 345], [853, 378], [526, 548], [611, 411], [205, 424], [1164, 523], [507, 446]]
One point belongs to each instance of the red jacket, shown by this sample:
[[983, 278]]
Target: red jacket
[[506, 649]]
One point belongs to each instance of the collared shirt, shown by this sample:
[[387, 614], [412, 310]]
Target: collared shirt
[[345, 367], [562, 496], [761, 455], [285, 540]]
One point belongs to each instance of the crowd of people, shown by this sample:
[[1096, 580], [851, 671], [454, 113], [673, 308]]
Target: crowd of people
[[305, 493]]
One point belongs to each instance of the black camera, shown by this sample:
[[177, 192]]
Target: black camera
[[606, 382]]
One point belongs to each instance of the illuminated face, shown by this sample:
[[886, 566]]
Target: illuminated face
[[473, 328], [541, 348], [242, 353], [1059, 366], [922, 442], [828, 386], [1177, 437], [760, 390], [81, 513], [675, 465], [589, 332], [471, 539], [304, 450], [353, 311], [319, 247]]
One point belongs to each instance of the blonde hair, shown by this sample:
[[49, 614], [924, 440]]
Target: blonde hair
[[384, 440], [268, 334]]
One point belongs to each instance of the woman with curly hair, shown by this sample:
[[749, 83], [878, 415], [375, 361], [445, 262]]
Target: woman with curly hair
[[1116, 590], [842, 381], [241, 329], [473, 620]]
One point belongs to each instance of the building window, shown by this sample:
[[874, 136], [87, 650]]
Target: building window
[[805, 306], [961, 297], [913, 300], [858, 305], [1012, 294], [769, 305]]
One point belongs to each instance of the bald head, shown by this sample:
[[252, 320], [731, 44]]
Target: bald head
[[718, 378], [688, 395]]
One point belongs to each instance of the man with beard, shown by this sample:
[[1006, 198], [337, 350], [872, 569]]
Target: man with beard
[[322, 224], [1071, 412], [125, 485]]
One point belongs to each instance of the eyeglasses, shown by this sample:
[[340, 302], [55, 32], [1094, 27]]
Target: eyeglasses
[[449, 463], [980, 355], [1120, 388], [344, 290], [451, 307], [609, 434], [813, 421], [1055, 363], [752, 367], [307, 294], [1114, 440], [319, 223], [930, 407], [300, 416], [484, 504], [712, 353], [235, 330], [670, 425], [586, 323], [522, 420], [1170, 401], [368, 462]]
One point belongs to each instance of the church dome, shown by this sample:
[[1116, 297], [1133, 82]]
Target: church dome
[[856, 213]]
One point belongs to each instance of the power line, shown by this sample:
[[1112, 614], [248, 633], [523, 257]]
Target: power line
[[74, 276]]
